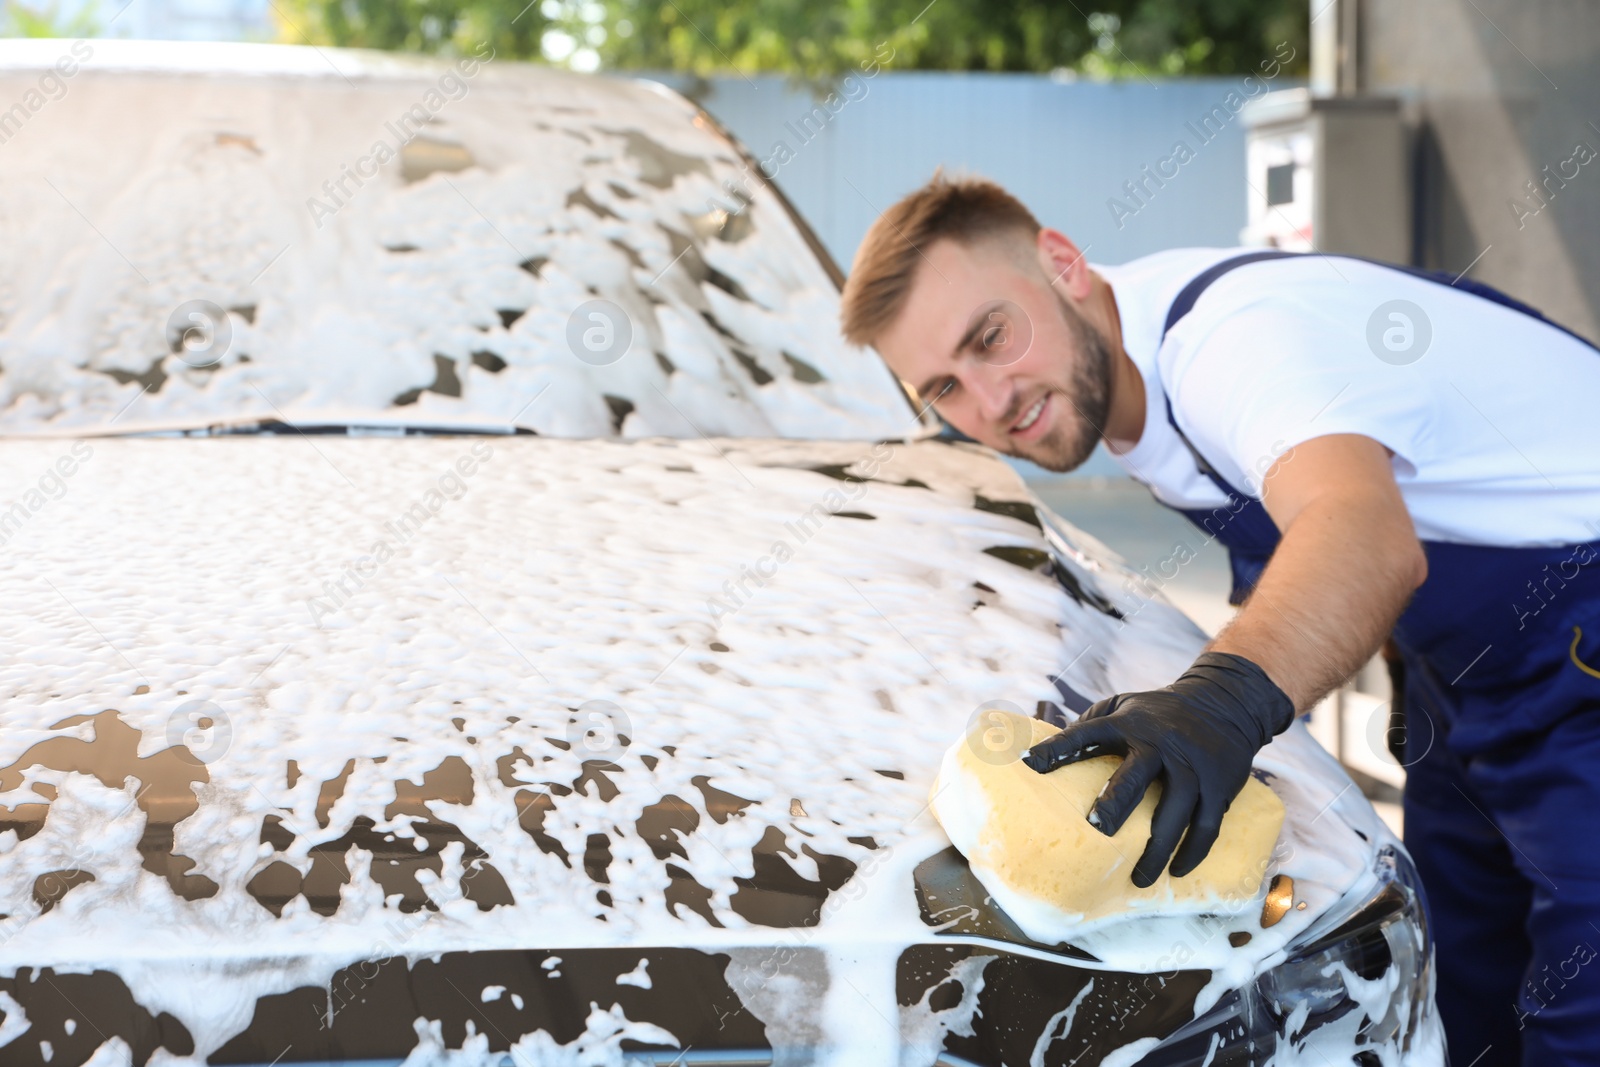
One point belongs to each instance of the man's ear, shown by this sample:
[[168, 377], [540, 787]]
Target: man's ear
[[1064, 265]]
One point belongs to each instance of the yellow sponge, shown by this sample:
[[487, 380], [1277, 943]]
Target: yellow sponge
[[1026, 836]]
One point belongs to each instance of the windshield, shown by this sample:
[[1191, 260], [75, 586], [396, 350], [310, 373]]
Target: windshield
[[229, 237]]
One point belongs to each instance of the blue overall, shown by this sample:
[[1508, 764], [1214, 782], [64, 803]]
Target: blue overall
[[1501, 699]]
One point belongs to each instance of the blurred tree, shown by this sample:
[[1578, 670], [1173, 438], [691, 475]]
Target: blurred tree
[[515, 28], [819, 39], [20, 20]]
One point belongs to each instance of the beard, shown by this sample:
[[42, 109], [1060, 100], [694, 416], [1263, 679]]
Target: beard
[[1071, 441]]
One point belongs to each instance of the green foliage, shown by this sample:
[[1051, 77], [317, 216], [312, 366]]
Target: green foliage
[[448, 27], [20, 20], [1188, 37], [819, 39], [1106, 38]]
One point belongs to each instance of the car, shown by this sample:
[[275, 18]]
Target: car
[[465, 604]]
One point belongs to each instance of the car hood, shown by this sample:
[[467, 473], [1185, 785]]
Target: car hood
[[285, 699]]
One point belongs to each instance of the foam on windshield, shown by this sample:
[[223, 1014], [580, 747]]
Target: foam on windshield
[[454, 283]]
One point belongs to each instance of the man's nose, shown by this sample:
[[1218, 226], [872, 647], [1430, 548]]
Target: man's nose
[[992, 389]]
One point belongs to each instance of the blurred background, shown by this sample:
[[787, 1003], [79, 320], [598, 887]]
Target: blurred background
[[1453, 134]]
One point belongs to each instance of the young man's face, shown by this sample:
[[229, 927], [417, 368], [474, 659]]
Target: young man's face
[[1003, 356]]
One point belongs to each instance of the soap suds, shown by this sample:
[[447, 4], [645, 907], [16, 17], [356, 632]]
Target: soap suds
[[923, 1028], [639, 976], [15, 1023], [1060, 1025], [448, 300]]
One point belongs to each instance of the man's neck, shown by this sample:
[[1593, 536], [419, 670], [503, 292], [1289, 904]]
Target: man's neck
[[1125, 416]]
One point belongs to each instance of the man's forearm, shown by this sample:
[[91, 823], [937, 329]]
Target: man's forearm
[[1346, 567]]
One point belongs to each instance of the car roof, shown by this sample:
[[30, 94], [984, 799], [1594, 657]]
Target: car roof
[[254, 58]]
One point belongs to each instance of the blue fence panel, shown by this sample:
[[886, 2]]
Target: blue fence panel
[[1068, 149]]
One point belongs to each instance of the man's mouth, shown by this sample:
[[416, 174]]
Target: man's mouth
[[1032, 418]]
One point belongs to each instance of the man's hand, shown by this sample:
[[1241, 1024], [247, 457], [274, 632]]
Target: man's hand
[[1348, 561], [1198, 734]]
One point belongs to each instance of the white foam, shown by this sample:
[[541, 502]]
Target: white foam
[[639, 976], [15, 1022]]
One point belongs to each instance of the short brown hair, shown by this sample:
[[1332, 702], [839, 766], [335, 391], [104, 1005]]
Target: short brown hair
[[962, 209]]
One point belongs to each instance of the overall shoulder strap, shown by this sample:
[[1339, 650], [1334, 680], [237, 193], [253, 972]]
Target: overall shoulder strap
[[1184, 302]]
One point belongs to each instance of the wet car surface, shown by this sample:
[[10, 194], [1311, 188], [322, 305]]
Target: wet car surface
[[406, 676]]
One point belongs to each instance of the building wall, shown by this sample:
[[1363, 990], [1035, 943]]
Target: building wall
[[1503, 93]]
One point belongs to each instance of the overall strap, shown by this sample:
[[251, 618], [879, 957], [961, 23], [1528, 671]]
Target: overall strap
[[1242, 524], [1184, 302]]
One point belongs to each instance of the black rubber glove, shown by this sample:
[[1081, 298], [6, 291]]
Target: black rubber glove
[[1199, 734]]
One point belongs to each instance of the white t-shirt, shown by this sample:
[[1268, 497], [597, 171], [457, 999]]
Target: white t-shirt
[[1495, 426]]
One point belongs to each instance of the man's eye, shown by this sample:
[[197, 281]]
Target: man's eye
[[944, 388]]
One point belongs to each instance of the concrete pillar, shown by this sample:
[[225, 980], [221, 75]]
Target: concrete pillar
[[1504, 99]]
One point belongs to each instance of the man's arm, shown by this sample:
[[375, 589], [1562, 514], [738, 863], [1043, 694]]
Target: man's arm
[[1348, 561]]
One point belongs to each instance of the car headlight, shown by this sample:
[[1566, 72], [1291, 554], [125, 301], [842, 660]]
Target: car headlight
[[1362, 986]]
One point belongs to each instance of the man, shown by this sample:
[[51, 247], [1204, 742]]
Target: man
[[1384, 453]]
